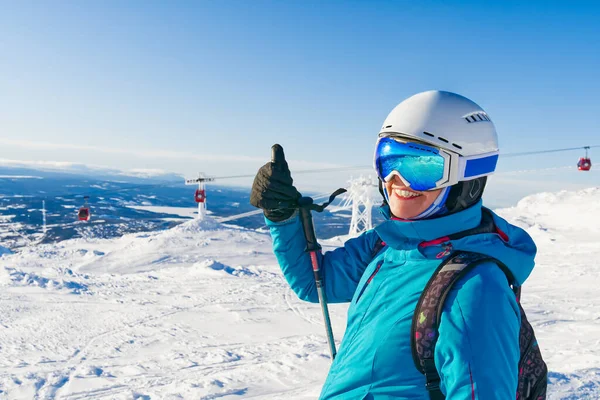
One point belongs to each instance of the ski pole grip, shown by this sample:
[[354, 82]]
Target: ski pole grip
[[307, 224]]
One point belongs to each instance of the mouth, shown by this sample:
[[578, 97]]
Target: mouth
[[405, 194]]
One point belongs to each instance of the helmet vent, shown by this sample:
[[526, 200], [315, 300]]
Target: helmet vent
[[389, 126], [441, 139], [479, 116]]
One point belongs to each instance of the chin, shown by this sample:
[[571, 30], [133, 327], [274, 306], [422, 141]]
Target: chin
[[407, 208], [405, 214]]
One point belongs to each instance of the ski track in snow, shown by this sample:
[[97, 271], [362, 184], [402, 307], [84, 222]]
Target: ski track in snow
[[202, 311]]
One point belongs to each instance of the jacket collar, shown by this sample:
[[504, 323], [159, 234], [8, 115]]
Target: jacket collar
[[403, 235]]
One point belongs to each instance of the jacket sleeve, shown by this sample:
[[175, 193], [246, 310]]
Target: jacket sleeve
[[477, 353], [341, 268]]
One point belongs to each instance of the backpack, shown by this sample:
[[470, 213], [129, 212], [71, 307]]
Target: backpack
[[533, 372]]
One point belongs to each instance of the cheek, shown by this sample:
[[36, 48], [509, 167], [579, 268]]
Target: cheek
[[388, 187], [432, 196]]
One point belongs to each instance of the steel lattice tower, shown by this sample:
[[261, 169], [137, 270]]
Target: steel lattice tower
[[360, 200]]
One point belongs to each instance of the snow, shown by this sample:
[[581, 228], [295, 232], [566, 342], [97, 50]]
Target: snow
[[201, 311], [561, 297]]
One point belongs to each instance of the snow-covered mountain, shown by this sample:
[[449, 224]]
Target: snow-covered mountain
[[118, 205], [201, 311]]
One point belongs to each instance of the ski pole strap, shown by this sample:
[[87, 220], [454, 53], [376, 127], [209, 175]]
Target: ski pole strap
[[307, 202]]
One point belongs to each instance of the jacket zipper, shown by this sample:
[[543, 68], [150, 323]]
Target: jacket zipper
[[369, 280]]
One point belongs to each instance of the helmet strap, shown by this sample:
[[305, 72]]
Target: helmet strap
[[383, 193], [465, 194]]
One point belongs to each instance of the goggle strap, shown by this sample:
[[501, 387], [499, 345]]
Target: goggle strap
[[477, 166]]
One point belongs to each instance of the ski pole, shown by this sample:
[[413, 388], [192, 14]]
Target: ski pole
[[313, 249], [306, 206]]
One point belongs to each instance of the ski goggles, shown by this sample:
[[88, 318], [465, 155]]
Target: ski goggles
[[422, 167]]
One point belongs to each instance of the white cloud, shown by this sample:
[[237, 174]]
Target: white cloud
[[151, 162], [154, 154], [63, 166], [20, 177], [144, 153]]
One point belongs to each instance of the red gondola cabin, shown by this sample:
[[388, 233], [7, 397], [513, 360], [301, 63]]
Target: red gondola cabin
[[584, 164], [200, 196], [84, 214]]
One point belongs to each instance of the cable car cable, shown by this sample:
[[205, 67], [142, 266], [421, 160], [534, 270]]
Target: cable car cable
[[166, 184], [364, 167], [527, 153]]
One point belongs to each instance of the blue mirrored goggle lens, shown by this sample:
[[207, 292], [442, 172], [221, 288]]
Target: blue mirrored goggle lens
[[421, 166]]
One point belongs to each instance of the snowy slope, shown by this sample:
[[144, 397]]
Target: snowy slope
[[562, 297], [201, 311]]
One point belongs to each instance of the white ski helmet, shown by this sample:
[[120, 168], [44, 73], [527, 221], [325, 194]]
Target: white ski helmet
[[443, 119], [457, 125]]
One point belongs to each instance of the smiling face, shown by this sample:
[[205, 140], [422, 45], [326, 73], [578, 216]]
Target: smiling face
[[406, 203]]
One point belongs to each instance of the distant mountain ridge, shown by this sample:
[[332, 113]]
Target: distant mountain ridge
[[111, 200], [54, 170]]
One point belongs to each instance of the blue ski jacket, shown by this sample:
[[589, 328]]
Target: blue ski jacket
[[477, 352]]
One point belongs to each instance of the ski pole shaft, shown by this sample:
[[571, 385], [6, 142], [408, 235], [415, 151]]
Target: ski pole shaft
[[313, 249], [324, 307]]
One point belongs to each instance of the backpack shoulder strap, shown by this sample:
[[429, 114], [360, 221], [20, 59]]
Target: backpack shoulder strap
[[427, 316]]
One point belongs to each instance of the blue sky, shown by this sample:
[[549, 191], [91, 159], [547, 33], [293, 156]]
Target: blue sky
[[211, 85]]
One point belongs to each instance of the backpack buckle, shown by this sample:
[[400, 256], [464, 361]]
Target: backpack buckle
[[433, 385]]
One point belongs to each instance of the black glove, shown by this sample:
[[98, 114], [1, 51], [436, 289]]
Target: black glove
[[273, 188]]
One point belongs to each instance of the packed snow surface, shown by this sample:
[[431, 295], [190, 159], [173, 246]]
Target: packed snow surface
[[201, 311]]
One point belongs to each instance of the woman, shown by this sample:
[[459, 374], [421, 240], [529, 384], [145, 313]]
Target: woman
[[433, 155]]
